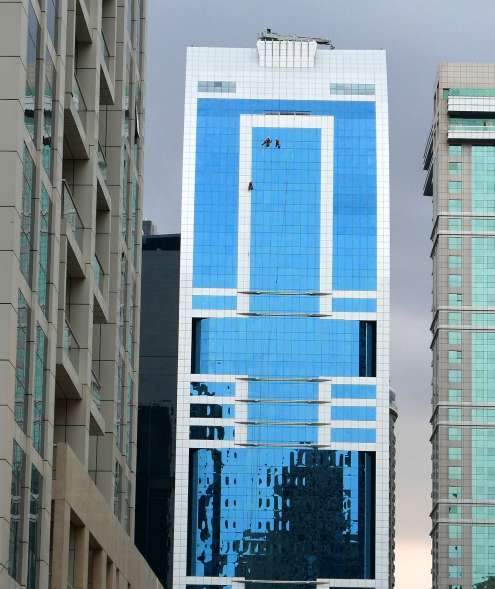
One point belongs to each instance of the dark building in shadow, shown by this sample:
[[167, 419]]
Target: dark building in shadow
[[157, 401]]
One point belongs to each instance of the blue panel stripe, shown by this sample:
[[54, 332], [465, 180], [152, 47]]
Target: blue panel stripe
[[294, 434], [353, 391], [280, 412], [212, 389], [354, 435], [284, 304], [214, 302], [354, 305], [351, 413]]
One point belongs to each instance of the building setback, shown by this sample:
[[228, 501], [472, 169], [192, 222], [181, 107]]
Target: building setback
[[282, 461], [157, 401], [71, 110], [460, 164]]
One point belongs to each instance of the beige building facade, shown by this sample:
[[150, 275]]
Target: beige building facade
[[459, 162], [71, 151]]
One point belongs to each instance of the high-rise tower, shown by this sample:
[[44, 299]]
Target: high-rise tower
[[282, 465], [71, 108], [460, 164]]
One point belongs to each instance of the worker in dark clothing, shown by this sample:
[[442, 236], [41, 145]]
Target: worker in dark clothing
[[250, 187], [277, 143], [267, 142]]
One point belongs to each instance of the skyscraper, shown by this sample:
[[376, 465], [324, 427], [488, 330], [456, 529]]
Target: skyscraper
[[282, 465], [71, 109], [460, 164]]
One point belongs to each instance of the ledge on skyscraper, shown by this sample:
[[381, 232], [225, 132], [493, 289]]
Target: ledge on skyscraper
[[67, 372], [75, 113]]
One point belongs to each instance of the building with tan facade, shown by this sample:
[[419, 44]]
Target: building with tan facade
[[71, 145], [459, 162]]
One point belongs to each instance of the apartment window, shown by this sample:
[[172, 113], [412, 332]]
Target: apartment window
[[71, 573], [455, 473], [454, 434], [134, 218], [131, 330], [34, 545], [44, 250], [455, 205], [454, 492], [455, 224], [454, 318], [119, 417], [455, 551], [129, 420], [455, 299], [455, 512], [48, 113], [51, 20], [454, 414], [455, 168], [454, 280], [39, 391], [454, 338], [32, 74], [455, 151], [22, 362], [216, 86], [16, 510], [455, 357], [117, 485], [353, 89], [454, 262], [455, 395], [455, 243], [455, 453], [455, 186], [28, 193], [454, 376], [455, 532], [455, 571]]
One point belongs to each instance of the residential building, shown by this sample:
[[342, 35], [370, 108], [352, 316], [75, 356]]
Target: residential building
[[157, 401], [71, 109], [460, 164], [283, 403]]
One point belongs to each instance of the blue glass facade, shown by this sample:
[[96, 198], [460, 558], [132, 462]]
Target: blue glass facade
[[280, 376], [281, 514]]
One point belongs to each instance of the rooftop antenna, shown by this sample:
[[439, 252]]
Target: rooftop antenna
[[268, 35]]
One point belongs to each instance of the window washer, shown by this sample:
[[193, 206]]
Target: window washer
[[277, 143], [250, 187], [267, 142]]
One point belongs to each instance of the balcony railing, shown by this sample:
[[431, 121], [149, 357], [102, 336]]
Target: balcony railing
[[98, 272], [70, 214], [105, 54], [96, 390], [71, 347], [102, 162], [79, 102]]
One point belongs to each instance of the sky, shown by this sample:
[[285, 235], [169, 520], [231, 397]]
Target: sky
[[418, 35]]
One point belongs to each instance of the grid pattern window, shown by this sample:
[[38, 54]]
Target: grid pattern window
[[217, 86], [28, 194], [48, 114], [51, 20], [32, 73], [44, 249], [16, 512], [34, 534], [22, 362], [39, 390], [353, 89]]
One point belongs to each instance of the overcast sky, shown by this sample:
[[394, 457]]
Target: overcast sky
[[418, 35]]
